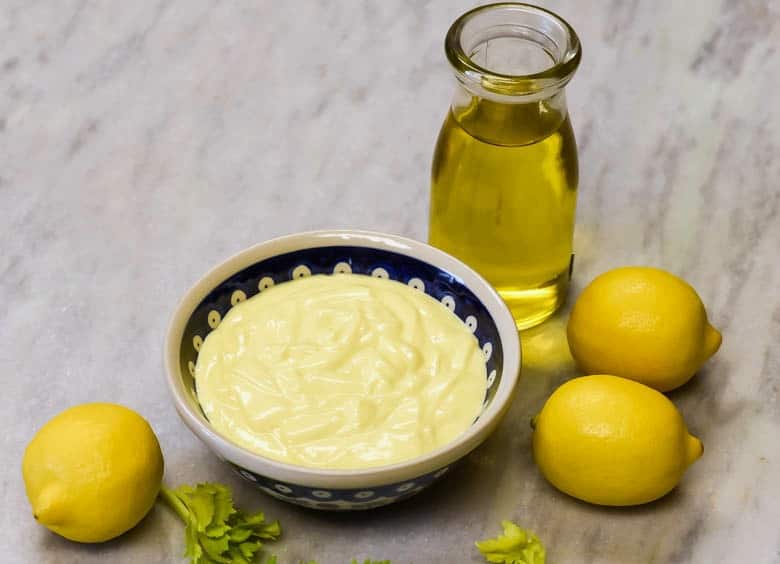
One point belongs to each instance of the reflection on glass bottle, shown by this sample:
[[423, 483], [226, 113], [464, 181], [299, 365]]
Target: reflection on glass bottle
[[504, 180]]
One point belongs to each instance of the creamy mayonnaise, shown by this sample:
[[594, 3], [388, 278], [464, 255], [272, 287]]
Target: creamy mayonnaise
[[342, 371]]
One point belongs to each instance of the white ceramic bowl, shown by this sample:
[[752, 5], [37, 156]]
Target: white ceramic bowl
[[421, 266]]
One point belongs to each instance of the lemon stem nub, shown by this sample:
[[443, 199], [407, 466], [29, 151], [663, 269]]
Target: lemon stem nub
[[712, 340], [695, 449]]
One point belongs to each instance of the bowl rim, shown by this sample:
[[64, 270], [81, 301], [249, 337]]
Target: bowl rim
[[341, 478]]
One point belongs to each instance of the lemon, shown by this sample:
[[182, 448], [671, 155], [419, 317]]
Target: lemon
[[92, 472], [641, 323], [612, 441]]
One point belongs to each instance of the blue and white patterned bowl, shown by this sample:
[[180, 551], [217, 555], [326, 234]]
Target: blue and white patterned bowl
[[324, 252]]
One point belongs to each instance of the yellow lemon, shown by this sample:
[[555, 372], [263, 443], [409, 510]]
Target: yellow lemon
[[93, 472], [612, 441], [644, 324]]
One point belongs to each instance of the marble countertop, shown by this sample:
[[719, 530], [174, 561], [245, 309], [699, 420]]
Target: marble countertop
[[142, 142]]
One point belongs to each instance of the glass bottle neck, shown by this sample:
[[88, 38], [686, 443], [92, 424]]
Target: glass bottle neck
[[512, 62], [511, 124]]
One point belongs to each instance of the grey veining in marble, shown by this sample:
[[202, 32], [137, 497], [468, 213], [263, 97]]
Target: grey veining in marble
[[141, 142]]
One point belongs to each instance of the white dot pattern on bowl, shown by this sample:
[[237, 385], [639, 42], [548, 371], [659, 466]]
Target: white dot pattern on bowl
[[342, 268], [265, 283], [487, 350], [471, 323], [417, 284], [491, 379], [364, 494], [214, 319], [237, 297], [449, 302], [301, 271], [282, 488], [191, 367], [248, 475], [197, 342], [405, 487], [380, 272], [321, 494]]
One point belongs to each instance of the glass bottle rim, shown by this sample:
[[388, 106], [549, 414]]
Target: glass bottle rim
[[555, 76]]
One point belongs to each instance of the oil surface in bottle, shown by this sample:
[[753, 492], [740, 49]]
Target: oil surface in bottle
[[503, 198]]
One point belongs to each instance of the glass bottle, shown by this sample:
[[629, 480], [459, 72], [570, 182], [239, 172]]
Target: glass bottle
[[504, 178]]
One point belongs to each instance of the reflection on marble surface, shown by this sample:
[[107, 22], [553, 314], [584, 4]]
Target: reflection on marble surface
[[141, 142]]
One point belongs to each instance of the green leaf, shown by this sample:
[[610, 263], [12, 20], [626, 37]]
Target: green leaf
[[236, 557], [223, 504], [215, 532], [271, 560], [206, 560], [515, 546], [215, 548], [269, 531], [240, 534], [200, 502], [256, 523], [253, 518], [193, 549], [248, 549]]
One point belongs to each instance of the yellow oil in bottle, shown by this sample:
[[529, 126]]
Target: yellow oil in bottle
[[503, 198]]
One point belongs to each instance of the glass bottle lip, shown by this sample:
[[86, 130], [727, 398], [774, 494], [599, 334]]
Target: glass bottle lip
[[480, 78]]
